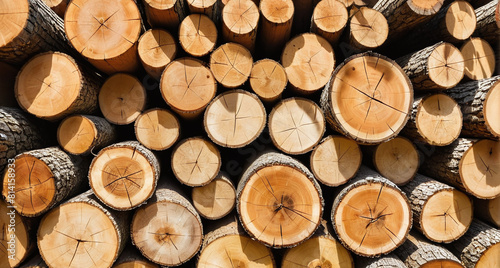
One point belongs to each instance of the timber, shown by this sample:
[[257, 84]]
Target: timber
[[157, 129], [368, 29], [231, 64], [479, 58], [164, 14], [268, 79], [239, 23], [329, 20], [156, 49], [487, 24], [275, 25], [216, 199], [197, 35]]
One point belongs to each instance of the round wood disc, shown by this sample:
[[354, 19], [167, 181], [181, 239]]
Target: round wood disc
[[231, 64], [335, 160], [268, 79], [277, 12], [240, 17], [157, 129], [157, 49], [214, 200], [13, 19], [234, 119], [76, 134], [64, 243], [397, 160], [197, 35], [296, 125], [330, 16], [479, 59], [369, 28], [446, 65], [280, 206], [491, 109], [425, 7], [460, 20], [122, 99], [21, 240]]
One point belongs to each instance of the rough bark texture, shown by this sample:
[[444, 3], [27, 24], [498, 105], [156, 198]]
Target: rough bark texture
[[486, 26], [106, 133], [389, 260]]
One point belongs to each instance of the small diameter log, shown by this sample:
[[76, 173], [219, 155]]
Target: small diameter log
[[216, 199], [469, 165], [35, 261], [131, 257], [317, 53], [187, 86], [58, 6], [195, 161], [479, 59], [8, 75], [368, 29], [442, 213], [435, 119], [440, 66], [197, 35], [240, 19], [368, 98], [156, 50], [231, 64], [479, 103], [487, 26], [275, 25], [279, 202], [488, 210], [83, 134], [389, 260], [207, 7], [234, 119], [43, 179], [329, 20], [82, 232], [335, 160], [227, 245], [157, 129], [51, 85], [296, 125], [167, 230], [479, 247], [371, 216], [268, 79], [122, 99], [165, 14]]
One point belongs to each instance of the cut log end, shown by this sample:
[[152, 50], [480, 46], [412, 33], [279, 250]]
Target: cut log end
[[277, 11], [460, 20], [275, 25], [77, 134], [425, 7], [491, 109], [446, 66], [14, 18], [489, 257], [12, 254], [231, 64], [157, 129], [397, 160], [239, 22], [369, 28], [268, 79], [329, 19], [216, 199], [197, 35], [156, 50], [479, 59]]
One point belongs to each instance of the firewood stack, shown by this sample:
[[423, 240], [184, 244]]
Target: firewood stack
[[247, 133]]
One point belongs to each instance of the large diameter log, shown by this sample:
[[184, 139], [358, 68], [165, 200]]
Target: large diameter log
[[231, 64], [389, 260], [371, 216], [234, 119], [165, 14], [167, 230], [479, 59], [197, 35], [440, 66], [8, 76], [478, 101], [329, 20], [317, 53], [157, 129], [268, 79], [82, 232], [52, 85], [275, 25], [216, 199], [435, 119], [58, 6], [279, 201], [488, 210], [442, 213], [368, 29], [469, 165], [156, 50], [132, 258], [105, 33], [368, 98], [43, 179], [240, 19], [487, 24]]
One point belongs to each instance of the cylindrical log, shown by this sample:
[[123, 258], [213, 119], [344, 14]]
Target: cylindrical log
[[389, 260], [35, 261], [44, 178], [240, 19], [296, 125], [197, 35], [268, 79], [371, 216], [309, 61], [207, 7], [479, 59], [487, 26], [124, 175], [488, 210], [167, 230], [157, 129], [165, 14], [58, 6], [231, 64], [279, 202], [52, 85], [234, 119], [156, 50], [216, 199], [368, 29], [469, 165], [8, 77], [195, 161], [82, 232], [440, 66], [435, 119], [131, 257], [479, 103], [122, 99], [329, 20], [368, 98], [275, 25], [83, 134]]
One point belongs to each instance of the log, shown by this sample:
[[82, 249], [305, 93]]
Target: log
[[8, 76], [389, 260], [58, 6], [156, 50], [207, 7], [329, 20], [124, 175], [487, 24], [488, 210], [195, 161], [368, 29], [268, 79], [52, 85], [165, 14], [157, 129], [43, 179], [335, 160], [240, 19], [216, 199], [83, 134], [234, 119], [231, 64], [467, 164], [122, 99], [167, 230], [296, 125], [187, 86], [478, 101], [440, 66], [368, 98], [275, 25], [371, 215], [197, 35], [279, 202], [479, 59], [435, 119], [81, 232], [35, 261], [132, 258], [440, 212], [317, 53]]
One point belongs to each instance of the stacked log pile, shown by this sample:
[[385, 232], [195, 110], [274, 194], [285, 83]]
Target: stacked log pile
[[247, 133]]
